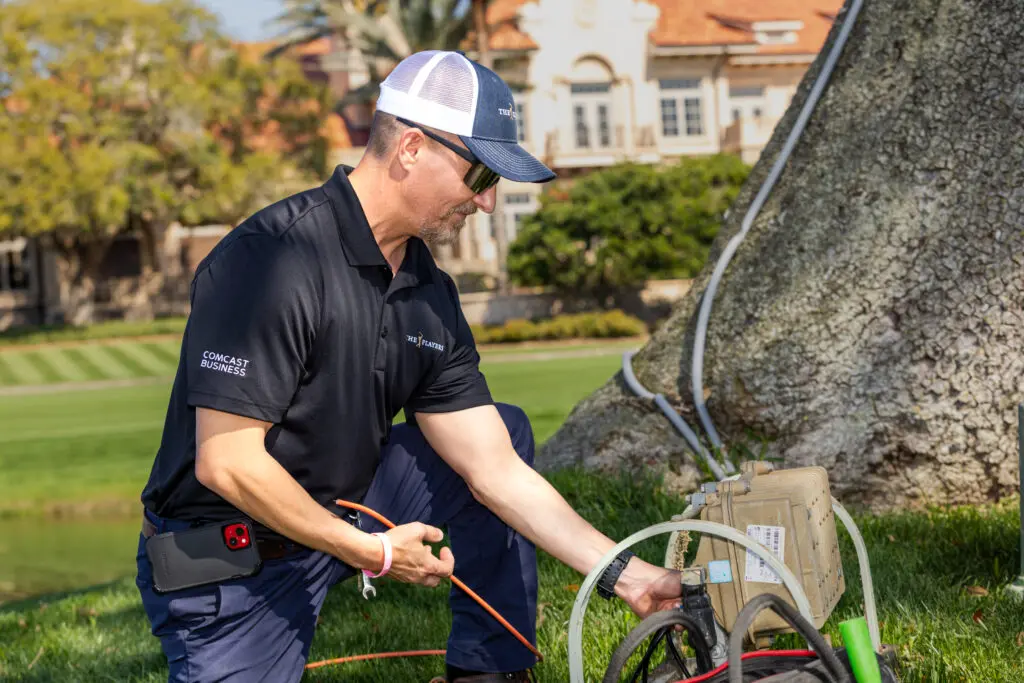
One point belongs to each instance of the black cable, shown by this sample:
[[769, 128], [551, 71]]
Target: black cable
[[678, 656], [652, 625], [745, 619]]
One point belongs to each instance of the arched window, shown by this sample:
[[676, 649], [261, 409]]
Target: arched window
[[590, 87]]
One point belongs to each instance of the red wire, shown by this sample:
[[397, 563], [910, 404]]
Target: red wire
[[469, 591], [751, 655]]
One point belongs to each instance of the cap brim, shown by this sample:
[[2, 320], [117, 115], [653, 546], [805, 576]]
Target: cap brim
[[509, 160]]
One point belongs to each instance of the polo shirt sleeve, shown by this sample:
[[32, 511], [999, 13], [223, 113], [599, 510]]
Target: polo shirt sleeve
[[458, 384], [255, 311]]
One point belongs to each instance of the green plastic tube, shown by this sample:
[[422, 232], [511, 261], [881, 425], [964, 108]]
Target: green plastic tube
[[858, 647]]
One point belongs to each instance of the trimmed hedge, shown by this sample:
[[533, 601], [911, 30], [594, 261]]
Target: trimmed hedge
[[580, 326]]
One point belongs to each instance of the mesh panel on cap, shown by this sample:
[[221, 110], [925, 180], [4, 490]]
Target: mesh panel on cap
[[450, 83], [405, 73]]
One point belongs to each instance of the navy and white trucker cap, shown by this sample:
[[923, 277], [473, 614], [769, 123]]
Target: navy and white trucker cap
[[447, 91]]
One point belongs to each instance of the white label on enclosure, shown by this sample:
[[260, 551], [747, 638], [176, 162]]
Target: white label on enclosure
[[773, 538]]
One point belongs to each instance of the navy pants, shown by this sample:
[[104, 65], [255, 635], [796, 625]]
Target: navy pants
[[260, 628]]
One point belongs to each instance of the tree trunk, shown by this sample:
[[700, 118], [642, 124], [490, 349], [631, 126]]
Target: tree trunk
[[872, 321], [77, 268], [152, 283]]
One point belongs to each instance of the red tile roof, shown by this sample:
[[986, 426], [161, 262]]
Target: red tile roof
[[502, 17], [699, 23]]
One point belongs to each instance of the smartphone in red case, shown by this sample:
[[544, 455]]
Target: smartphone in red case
[[203, 555]]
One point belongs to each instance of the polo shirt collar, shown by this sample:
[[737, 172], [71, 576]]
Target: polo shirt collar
[[357, 238], [360, 246]]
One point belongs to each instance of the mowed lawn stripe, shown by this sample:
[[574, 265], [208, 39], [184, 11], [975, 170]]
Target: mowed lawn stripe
[[132, 366], [147, 362], [167, 352], [7, 376], [63, 364], [24, 371], [43, 367], [88, 365]]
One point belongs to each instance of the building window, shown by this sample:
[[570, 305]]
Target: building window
[[582, 131], [590, 88], [669, 118], [521, 121], [592, 112], [603, 126], [15, 265], [681, 94], [747, 102], [518, 205]]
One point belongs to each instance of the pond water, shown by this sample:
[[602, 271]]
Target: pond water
[[40, 555]]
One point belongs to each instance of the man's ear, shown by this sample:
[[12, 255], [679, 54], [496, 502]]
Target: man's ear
[[410, 146]]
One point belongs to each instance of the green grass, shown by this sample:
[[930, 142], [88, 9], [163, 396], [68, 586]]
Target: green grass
[[133, 359], [91, 447], [920, 574], [107, 330], [51, 364], [82, 447]]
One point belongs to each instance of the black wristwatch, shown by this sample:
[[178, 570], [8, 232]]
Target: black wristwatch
[[606, 584]]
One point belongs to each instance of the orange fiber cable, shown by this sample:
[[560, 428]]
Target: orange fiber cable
[[491, 610], [379, 655]]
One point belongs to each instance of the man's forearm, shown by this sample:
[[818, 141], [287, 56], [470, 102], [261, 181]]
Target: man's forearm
[[529, 504], [257, 485]]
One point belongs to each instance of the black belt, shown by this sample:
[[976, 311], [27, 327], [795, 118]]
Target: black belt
[[268, 548]]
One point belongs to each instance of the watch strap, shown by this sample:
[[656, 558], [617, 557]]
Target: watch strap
[[606, 584]]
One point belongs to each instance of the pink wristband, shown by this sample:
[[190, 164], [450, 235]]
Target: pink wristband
[[386, 542]]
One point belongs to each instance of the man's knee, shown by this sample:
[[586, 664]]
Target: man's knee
[[519, 429]]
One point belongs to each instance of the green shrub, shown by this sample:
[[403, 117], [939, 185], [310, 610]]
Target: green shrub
[[608, 325], [607, 233]]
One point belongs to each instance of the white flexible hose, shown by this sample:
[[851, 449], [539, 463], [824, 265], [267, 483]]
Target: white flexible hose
[[579, 607], [707, 299], [677, 421], [870, 613]]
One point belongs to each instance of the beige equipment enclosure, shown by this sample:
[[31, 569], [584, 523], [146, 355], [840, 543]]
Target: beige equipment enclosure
[[790, 512]]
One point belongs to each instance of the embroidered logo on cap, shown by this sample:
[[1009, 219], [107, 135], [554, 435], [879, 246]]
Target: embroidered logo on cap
[[510, 112]]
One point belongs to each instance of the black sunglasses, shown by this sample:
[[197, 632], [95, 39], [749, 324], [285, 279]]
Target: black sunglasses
[[479, 178]]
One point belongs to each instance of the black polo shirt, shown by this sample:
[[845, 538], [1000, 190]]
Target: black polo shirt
[[297, 320]]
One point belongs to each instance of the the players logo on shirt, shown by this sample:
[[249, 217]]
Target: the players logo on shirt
[[419, 342], [220, 362]]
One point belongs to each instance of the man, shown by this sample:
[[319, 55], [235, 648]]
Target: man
[[313, 323]]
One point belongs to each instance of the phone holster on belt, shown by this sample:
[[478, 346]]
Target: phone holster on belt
[[203, 555]]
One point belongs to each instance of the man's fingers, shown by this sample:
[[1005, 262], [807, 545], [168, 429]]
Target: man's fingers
[[431, 534], [445, 564]]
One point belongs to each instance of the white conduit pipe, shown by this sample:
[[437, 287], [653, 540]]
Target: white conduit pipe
[[678, 422], [579, 607], [697, 368]]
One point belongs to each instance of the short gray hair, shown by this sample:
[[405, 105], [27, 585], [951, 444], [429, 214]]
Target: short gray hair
[[384, 130]]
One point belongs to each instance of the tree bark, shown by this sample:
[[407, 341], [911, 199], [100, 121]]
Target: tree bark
[[77, 265], [872, 320]]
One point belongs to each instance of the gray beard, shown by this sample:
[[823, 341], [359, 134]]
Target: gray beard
[[438, 234]]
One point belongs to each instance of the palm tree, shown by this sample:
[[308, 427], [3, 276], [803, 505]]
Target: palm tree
[[383, 31]]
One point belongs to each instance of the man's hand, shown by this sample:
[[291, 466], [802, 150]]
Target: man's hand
[[412, 560], [648, 589]]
